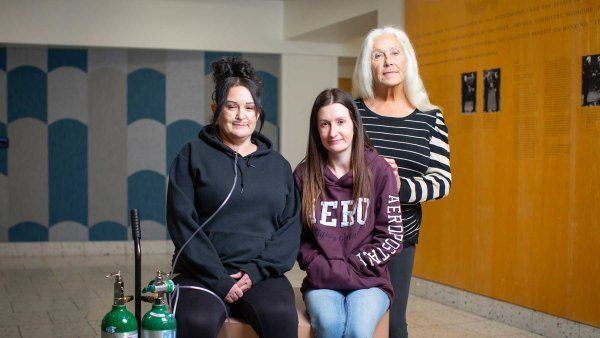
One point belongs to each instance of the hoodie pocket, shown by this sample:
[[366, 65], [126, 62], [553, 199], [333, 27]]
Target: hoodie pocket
[[330, 274], [239, 248]]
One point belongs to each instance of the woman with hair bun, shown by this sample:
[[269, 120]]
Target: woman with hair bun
[[249, 241], [410, 133]]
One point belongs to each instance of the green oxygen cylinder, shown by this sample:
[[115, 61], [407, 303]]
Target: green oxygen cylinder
[[159, 322], [119, 322]]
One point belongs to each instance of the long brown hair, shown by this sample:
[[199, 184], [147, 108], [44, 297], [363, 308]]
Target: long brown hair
[[316, 155]]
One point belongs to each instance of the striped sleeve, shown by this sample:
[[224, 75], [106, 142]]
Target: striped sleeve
[[435, 182]]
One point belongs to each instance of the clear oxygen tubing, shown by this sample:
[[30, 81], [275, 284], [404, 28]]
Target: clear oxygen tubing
[[177, 287]]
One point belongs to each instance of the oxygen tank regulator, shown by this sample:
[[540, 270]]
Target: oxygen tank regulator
[[160, 321]]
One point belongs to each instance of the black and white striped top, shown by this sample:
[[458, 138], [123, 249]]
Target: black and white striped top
[[419, 144]]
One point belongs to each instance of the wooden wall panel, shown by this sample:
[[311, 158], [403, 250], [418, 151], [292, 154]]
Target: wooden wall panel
[[522, 222], [345, 84]]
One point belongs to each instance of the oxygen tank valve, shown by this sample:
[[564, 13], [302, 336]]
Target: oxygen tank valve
[[119, 289], [160, 285]]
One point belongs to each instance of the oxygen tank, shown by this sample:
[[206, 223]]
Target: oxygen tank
[[159, 322], [119, 322]]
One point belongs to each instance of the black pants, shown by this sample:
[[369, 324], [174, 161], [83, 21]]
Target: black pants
[[269, 307], [400, 269]]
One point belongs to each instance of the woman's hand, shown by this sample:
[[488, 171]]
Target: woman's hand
[[243, 280], [234, 294], [394, 166]]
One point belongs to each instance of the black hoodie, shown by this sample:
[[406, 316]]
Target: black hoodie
[[257, 231]]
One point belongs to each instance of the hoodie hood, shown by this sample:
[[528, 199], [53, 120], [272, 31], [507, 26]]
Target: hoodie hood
[[346, 181], [264, 145]]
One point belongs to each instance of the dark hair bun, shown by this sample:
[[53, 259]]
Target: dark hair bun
[[230, 66]]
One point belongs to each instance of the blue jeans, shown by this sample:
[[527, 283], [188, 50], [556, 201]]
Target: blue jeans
[[347, 314]]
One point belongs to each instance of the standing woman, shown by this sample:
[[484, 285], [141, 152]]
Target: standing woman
[[352, 222], [410, 133], [252, 230]]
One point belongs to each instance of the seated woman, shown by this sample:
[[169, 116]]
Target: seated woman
[[246, 246], [352, 222]]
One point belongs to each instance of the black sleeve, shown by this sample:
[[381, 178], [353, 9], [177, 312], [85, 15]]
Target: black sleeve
[[199, 257]]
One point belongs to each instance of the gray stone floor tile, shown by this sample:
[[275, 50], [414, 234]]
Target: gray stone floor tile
[[33, 317], [75, 329], [490, 328], [441, 331], [42, 306], [10, 331]]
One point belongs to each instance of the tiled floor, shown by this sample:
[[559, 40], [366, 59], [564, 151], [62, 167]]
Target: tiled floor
[[68, 296]]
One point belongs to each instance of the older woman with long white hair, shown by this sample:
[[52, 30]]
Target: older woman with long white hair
[[411, 134]]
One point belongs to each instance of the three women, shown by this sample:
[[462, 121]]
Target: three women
[[358, 209]]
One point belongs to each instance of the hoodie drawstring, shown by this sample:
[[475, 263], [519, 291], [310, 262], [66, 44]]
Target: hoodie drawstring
[[248, 162], [242, 172], [241, 176]]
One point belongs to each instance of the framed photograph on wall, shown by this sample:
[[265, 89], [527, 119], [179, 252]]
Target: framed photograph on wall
[[590, 80], [491, 90], [468, 92]]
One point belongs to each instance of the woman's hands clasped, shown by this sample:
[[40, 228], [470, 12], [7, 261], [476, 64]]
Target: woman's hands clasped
[[243, 284]]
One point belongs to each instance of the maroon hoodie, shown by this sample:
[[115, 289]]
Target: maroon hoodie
[[348, 247]]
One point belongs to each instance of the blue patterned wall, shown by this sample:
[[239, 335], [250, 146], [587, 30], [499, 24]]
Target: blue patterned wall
[[93, 132]]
